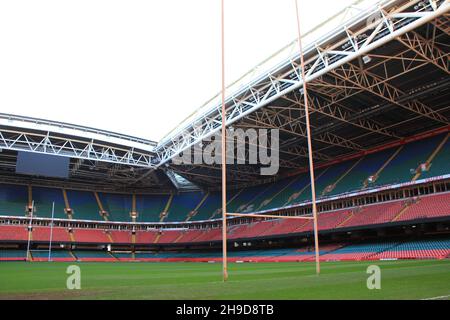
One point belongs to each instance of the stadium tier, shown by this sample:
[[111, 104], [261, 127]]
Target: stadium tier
[[182, 205], [55, 255], [425, 158], [81, 255], [150, 207], [44, 198], [13, 200], [410, 249], [84, 205], [430, 206], [117, 206]]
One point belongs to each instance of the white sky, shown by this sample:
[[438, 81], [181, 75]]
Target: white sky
[[136, 67]]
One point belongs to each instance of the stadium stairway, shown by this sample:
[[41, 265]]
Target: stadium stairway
[[329, 189], [380, 170], [405, 207], [269, 203], [67, 208], [102, 211], [165, 212], [194, 212], [430, 158]]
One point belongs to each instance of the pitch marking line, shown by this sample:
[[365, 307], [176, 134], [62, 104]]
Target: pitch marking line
[[437, 298]]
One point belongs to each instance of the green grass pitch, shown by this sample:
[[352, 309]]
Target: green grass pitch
[[338, 280]]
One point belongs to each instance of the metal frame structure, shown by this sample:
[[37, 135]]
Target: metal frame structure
[[390, 20], [359, 96], [43, 136]]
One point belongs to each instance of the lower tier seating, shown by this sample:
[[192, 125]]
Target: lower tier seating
[[399, 249]]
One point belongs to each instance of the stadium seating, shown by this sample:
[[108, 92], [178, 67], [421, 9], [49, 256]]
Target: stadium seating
[[195, 206], [13, 200], [368, 166], [357, 252], [243, 202], [264, 200], [149, 207], [428, 207], [413, 249], [13, 233], [328, 178], [12, 255], [421, 249], [212, 203], [83, 205], [43, 199], [403, 167], [182, 204], [146, 237], [93, 256], [440, 165], [287, 196], [123, 256], [118, 206], [120, 236], [42, 234], [56, 255], [91, 236], [375, 214], [168, 236]]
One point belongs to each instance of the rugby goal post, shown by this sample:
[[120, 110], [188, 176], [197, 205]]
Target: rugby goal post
[[225, 214]]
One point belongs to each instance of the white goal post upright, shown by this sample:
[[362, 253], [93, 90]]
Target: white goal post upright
[[223, 150], [51, 234], [29, 231], [308, 134]]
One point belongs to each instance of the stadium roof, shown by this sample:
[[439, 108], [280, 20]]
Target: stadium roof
[[378, 76]]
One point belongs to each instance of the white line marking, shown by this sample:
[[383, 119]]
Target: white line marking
[[437, 298]]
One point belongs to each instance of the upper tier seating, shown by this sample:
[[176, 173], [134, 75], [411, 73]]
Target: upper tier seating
[[149, 207], [118, 206], [368, 166], [440, 165], [43, 199], [13, 200], [290, 192], [83, 205], [211, 205], [403, 167], [182, 204], [338, 178], [329, 177]]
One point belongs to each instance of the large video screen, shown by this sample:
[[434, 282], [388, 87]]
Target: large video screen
[[37, 164]]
